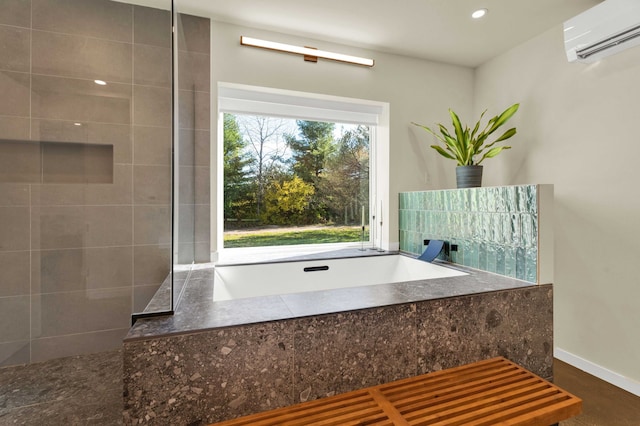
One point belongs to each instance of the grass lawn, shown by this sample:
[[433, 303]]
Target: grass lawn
[[332, 234]]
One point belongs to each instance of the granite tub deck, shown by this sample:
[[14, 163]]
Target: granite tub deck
[[213, 361]]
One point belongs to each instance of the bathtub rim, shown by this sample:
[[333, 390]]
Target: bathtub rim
[[205, 315], [311, 259], [328, 260]]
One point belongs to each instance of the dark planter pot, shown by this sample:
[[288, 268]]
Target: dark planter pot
[[469, 176]]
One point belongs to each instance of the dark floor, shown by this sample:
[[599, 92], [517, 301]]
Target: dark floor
[[87, 390], [82, 390], [602, 403]]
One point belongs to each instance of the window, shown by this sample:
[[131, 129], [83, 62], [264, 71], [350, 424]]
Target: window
[[299, 168]]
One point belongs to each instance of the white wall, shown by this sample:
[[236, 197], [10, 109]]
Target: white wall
[[578, 129], [417, 90]]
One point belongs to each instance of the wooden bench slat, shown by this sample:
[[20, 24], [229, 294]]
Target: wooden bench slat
[[463, 398], [324, 412], [331, 410], [490, 392], [391, 411], [371, 416], [467, 404], [316, 412], [515, 409], [370, 420], [448, 382], [327, 418], [455, 391], [464, 415], [351, 400], [562, 410], [446, 375]]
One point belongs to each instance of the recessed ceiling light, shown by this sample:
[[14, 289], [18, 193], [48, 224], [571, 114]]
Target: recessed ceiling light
[[100, 82], [479, 13]]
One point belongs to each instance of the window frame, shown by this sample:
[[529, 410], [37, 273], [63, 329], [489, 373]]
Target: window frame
[[255, 100]]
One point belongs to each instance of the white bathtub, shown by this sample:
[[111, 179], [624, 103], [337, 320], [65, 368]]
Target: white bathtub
[[240, 281]]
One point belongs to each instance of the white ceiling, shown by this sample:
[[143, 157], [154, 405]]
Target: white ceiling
[[439, 30]]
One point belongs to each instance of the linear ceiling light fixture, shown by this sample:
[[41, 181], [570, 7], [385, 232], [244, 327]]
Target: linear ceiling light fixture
[[310, 54]]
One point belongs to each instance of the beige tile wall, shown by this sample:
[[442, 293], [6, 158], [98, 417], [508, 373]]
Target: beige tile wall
[[85, 210], [15, 43], [80, 57]]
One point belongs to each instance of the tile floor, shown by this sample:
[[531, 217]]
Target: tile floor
[[81, 390]]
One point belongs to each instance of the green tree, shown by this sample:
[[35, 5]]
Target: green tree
[[238, 192], [287, 202], [309, 153], [345, 186], [310, 149]]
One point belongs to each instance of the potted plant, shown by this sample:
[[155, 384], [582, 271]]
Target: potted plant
[[470, 147]]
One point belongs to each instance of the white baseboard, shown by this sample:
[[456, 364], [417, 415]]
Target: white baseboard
[[598, 371]]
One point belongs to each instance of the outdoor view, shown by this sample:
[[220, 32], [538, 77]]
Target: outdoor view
[[293, 181]]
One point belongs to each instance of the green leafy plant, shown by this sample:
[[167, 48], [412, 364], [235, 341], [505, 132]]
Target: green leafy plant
[[464, 144]]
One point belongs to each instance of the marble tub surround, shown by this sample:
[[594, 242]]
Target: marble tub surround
[[226, 372], [505, 230], [197, 311], [217, 360]]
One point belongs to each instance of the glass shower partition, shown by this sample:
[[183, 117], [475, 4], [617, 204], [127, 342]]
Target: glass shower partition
[[86, 127], [104, 169], [191, 135], [157, 59]]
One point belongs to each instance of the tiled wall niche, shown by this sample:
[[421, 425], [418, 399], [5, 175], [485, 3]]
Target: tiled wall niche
[[55, 162], [506, 230], [77, 258]]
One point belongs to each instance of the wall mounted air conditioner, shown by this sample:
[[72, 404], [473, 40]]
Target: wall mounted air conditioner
[[605, 29]]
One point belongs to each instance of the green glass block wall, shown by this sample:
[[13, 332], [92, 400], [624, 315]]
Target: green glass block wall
[[495, 229]]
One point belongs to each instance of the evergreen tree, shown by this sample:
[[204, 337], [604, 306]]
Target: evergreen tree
[[311, 149], [309, 152], [238, 194], [345, 186]]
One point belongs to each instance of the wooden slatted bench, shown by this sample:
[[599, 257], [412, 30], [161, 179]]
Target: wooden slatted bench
[[491, 392]]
